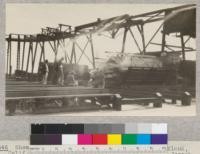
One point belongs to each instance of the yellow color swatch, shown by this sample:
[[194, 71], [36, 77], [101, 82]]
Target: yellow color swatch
[[114, 139]]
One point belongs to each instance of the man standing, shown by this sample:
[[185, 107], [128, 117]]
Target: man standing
[[46, 72], [60, 72]]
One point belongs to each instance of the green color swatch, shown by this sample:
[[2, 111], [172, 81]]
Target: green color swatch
[[129, 138]]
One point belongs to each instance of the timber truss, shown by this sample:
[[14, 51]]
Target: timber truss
[[57, 37]]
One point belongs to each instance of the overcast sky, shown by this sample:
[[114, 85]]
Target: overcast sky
[[30, 18]]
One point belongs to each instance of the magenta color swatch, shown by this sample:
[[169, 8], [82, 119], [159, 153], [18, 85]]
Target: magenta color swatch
[[84, 139]]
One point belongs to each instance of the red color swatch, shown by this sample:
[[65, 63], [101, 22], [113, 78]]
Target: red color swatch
[[99, 139]]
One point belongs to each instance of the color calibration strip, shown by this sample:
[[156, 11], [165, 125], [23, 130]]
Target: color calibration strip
[[99, 134]]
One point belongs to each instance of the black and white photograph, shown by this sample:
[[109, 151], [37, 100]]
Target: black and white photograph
[[100, 59]]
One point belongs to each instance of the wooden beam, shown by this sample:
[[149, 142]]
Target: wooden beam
[[124, 40], [163, 41], [143, 39], [18, 53], [154, 35], [29, 51], [10, 48], [173, 46], [8, 54], [35, 53], [162, 10], [61, 96], [72, 53], [92, 50], [42, 52], [101, 22], [183, 46], [23, 54], [135, 40], [83, 50]]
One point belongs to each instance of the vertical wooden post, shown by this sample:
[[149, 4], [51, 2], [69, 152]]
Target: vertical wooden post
[[58, 43], [8, 54], [163, 41], [10, 48], [163, 37], [73, 53], [23, 54], [92, 50], [75, 58], [33, 62], [18, 53], [143, 39], [32, 57], [55, 49], [183, 46], [124, 39], [43, 49], [41, 53], [75, 61], [29, 51]]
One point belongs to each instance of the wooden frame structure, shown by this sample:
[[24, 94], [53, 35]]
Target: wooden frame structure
[[56, 37]]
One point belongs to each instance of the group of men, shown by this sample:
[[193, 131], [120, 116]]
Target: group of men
[[96, 79], [58, 71]]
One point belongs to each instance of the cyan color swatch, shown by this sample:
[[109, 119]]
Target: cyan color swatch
[[143, 139]]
